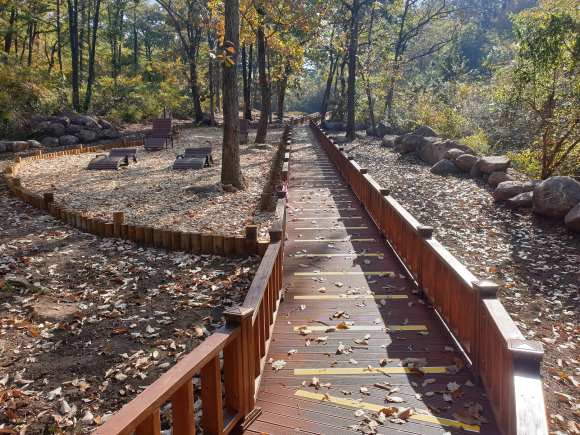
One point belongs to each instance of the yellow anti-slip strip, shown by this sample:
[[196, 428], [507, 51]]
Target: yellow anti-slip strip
[[377, 408], [337, 240], [343, 273], [353, 297], [339, 255], [336, 218], [333, 228], [369, 328]]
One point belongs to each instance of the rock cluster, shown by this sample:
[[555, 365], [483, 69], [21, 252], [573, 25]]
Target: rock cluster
[[64, 130], [556, 197]]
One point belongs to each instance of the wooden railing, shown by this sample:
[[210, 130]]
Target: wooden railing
[[243, 341], [501, 358]]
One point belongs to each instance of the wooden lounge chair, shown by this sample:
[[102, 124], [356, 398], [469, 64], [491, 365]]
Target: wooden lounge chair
[[244, 128], [160, 135], [194, 158], [117, 157]]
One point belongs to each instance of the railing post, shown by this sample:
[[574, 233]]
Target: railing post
[[425, 232], [241, 316], [525, 416], [484, 290]]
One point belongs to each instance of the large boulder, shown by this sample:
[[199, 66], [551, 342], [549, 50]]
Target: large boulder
[[33, 144], [63, 120], [337, 139], [87, 136], [37, 119], [425, 131], [498, 177], [475, 171], [388, 141], [410, 143], [444, 167], [17, 146], [572, 219], [358, 126], [452, 154], [432, 150], [68, 139], [491, 164], [109, 133], [333, 126], [2, 147], [106, 124], [399, 139], [384, 128], [370, 131], [522, 200], [465, 162], [556, 196], [529, 186], [74, 129], [507, 189], [49, 142], [55, 129]]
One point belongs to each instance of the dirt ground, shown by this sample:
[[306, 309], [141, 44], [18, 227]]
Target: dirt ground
[[98, 319], [536, 261]]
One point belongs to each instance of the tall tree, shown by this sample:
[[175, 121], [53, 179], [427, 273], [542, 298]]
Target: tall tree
[[354, 8], [186, 16], [73, 8], [231, 168], [93, 46]]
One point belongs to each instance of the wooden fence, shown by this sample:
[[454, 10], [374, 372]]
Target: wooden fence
[[243, 341], [501, 358]]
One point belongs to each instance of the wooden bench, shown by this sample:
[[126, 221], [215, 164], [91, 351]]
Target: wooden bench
[[161, 134], [244, 129], [194, 158], [117, 157]]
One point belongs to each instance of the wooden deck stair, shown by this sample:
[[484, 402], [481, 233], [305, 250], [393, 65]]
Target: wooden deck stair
[[401, 323]]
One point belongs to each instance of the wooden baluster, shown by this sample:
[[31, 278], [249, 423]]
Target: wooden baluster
[[239, 376], [182, 410], [151, 426], [211, 397]]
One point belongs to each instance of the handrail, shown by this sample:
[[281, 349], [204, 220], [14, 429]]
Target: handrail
[[507, 364], [244, 342]]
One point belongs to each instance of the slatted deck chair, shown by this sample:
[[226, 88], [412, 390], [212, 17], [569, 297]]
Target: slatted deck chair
[[244, 129], [194, 158], [160, 135], [117, 157]]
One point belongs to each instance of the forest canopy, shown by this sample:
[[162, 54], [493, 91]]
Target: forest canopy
[[498, 75]]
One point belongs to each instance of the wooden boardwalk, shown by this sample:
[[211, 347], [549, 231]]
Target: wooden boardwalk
[[335, 261]]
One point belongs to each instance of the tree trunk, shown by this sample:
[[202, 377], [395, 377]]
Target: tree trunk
[[74, 41], [31, 43], [92, 58], [135, 42], [8, 39], [81, 40], [264, 112], [282, 85], [326, 97], [58, 38], [210, 42], [248, 114], [244, 79], [231, 169], [352, 51]]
